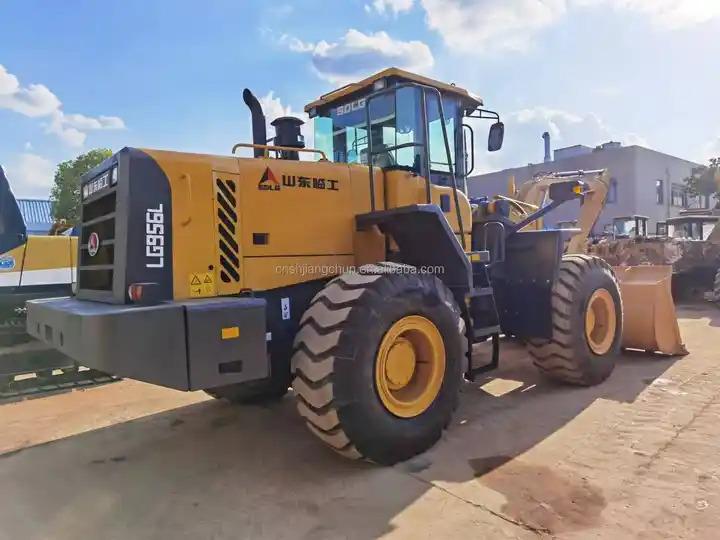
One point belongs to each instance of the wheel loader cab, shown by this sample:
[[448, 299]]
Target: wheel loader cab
[[399, 126], [630, 226], [411, 128], [692, 227]]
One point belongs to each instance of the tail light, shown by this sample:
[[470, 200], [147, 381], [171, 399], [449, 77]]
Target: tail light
[[144, 293]]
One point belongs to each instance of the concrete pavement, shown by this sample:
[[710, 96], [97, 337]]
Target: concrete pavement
[[633, 457]]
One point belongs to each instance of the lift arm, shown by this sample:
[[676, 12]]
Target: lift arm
[[535, 192]]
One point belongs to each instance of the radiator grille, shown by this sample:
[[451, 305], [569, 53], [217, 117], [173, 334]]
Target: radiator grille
[[227, 230], [95, 272]]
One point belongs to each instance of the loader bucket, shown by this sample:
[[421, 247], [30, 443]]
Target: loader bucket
[[649, 319]]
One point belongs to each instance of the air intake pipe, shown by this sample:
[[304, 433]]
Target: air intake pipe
[[258, 121], [287, 133]]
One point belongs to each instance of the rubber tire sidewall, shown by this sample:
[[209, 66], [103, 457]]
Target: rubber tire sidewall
[[596, 368], [373, 429]]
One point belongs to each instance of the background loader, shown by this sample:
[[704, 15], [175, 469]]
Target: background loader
[[32, 267], [650, 321], [689, 244], [690, 247], [363, 278]]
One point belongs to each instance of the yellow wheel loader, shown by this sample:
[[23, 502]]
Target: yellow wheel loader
[[361, 278], [30, 267], [650, 321]]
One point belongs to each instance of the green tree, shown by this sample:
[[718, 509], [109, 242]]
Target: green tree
[[705, 180], [65, 194]]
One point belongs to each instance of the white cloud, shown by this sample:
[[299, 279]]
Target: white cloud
[[502, 25], [491, 25], [711, 149], [273, 108], [523, 136], [296, 45], [80, 121], [69, 134], [386, 6], [30, 175], [357, 55], [37, 101], [668, 14], [34, 100]]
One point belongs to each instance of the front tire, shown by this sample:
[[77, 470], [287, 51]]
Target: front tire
[[714, 294], [378, 363], [587, 323]]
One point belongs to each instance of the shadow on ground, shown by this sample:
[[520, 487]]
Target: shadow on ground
[[212, 470], [700, 309]]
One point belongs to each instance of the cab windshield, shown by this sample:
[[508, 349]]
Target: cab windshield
[[396, 129], [625, 227], [692, 230]]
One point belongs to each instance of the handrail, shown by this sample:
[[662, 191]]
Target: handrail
[[472, 154], [270, 148], [500, 240], [451, 166]]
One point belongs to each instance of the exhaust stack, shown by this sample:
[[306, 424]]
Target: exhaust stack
[[258, 121], [546, 138]]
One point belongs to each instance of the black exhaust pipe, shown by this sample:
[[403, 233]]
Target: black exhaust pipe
[[258, 121]]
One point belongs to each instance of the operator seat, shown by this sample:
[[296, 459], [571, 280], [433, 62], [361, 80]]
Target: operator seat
[[382, 158]]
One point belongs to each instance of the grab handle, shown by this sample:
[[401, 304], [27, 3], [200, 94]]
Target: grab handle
[[186, 205]]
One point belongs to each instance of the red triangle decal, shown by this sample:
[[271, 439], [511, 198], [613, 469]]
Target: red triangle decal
[[268, 176]]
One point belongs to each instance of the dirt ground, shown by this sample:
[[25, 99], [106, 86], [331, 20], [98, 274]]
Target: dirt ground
[[636, 457]]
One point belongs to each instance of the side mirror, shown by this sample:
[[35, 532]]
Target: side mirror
[[495, 139]]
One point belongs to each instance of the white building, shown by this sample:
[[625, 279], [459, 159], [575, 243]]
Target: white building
[[643, 182]]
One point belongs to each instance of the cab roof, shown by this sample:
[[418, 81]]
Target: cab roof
[[352, 88]]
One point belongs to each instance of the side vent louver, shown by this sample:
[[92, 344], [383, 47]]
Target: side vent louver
[[227, 228]]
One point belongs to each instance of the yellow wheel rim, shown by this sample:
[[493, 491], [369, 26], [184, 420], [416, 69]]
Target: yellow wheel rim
[[600, 321], [410, 366]]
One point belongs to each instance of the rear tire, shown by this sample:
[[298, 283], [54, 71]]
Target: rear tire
[[577, 354], [342, 341]]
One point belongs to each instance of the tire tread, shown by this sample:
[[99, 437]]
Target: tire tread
[[555, 357]]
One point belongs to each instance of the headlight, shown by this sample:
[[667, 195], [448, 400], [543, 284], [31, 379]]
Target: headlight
[[114, 176]]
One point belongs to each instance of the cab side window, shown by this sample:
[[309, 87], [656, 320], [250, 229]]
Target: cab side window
[[439, 160]]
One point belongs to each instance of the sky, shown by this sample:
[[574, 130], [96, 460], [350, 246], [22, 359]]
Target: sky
[[170, 74]]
